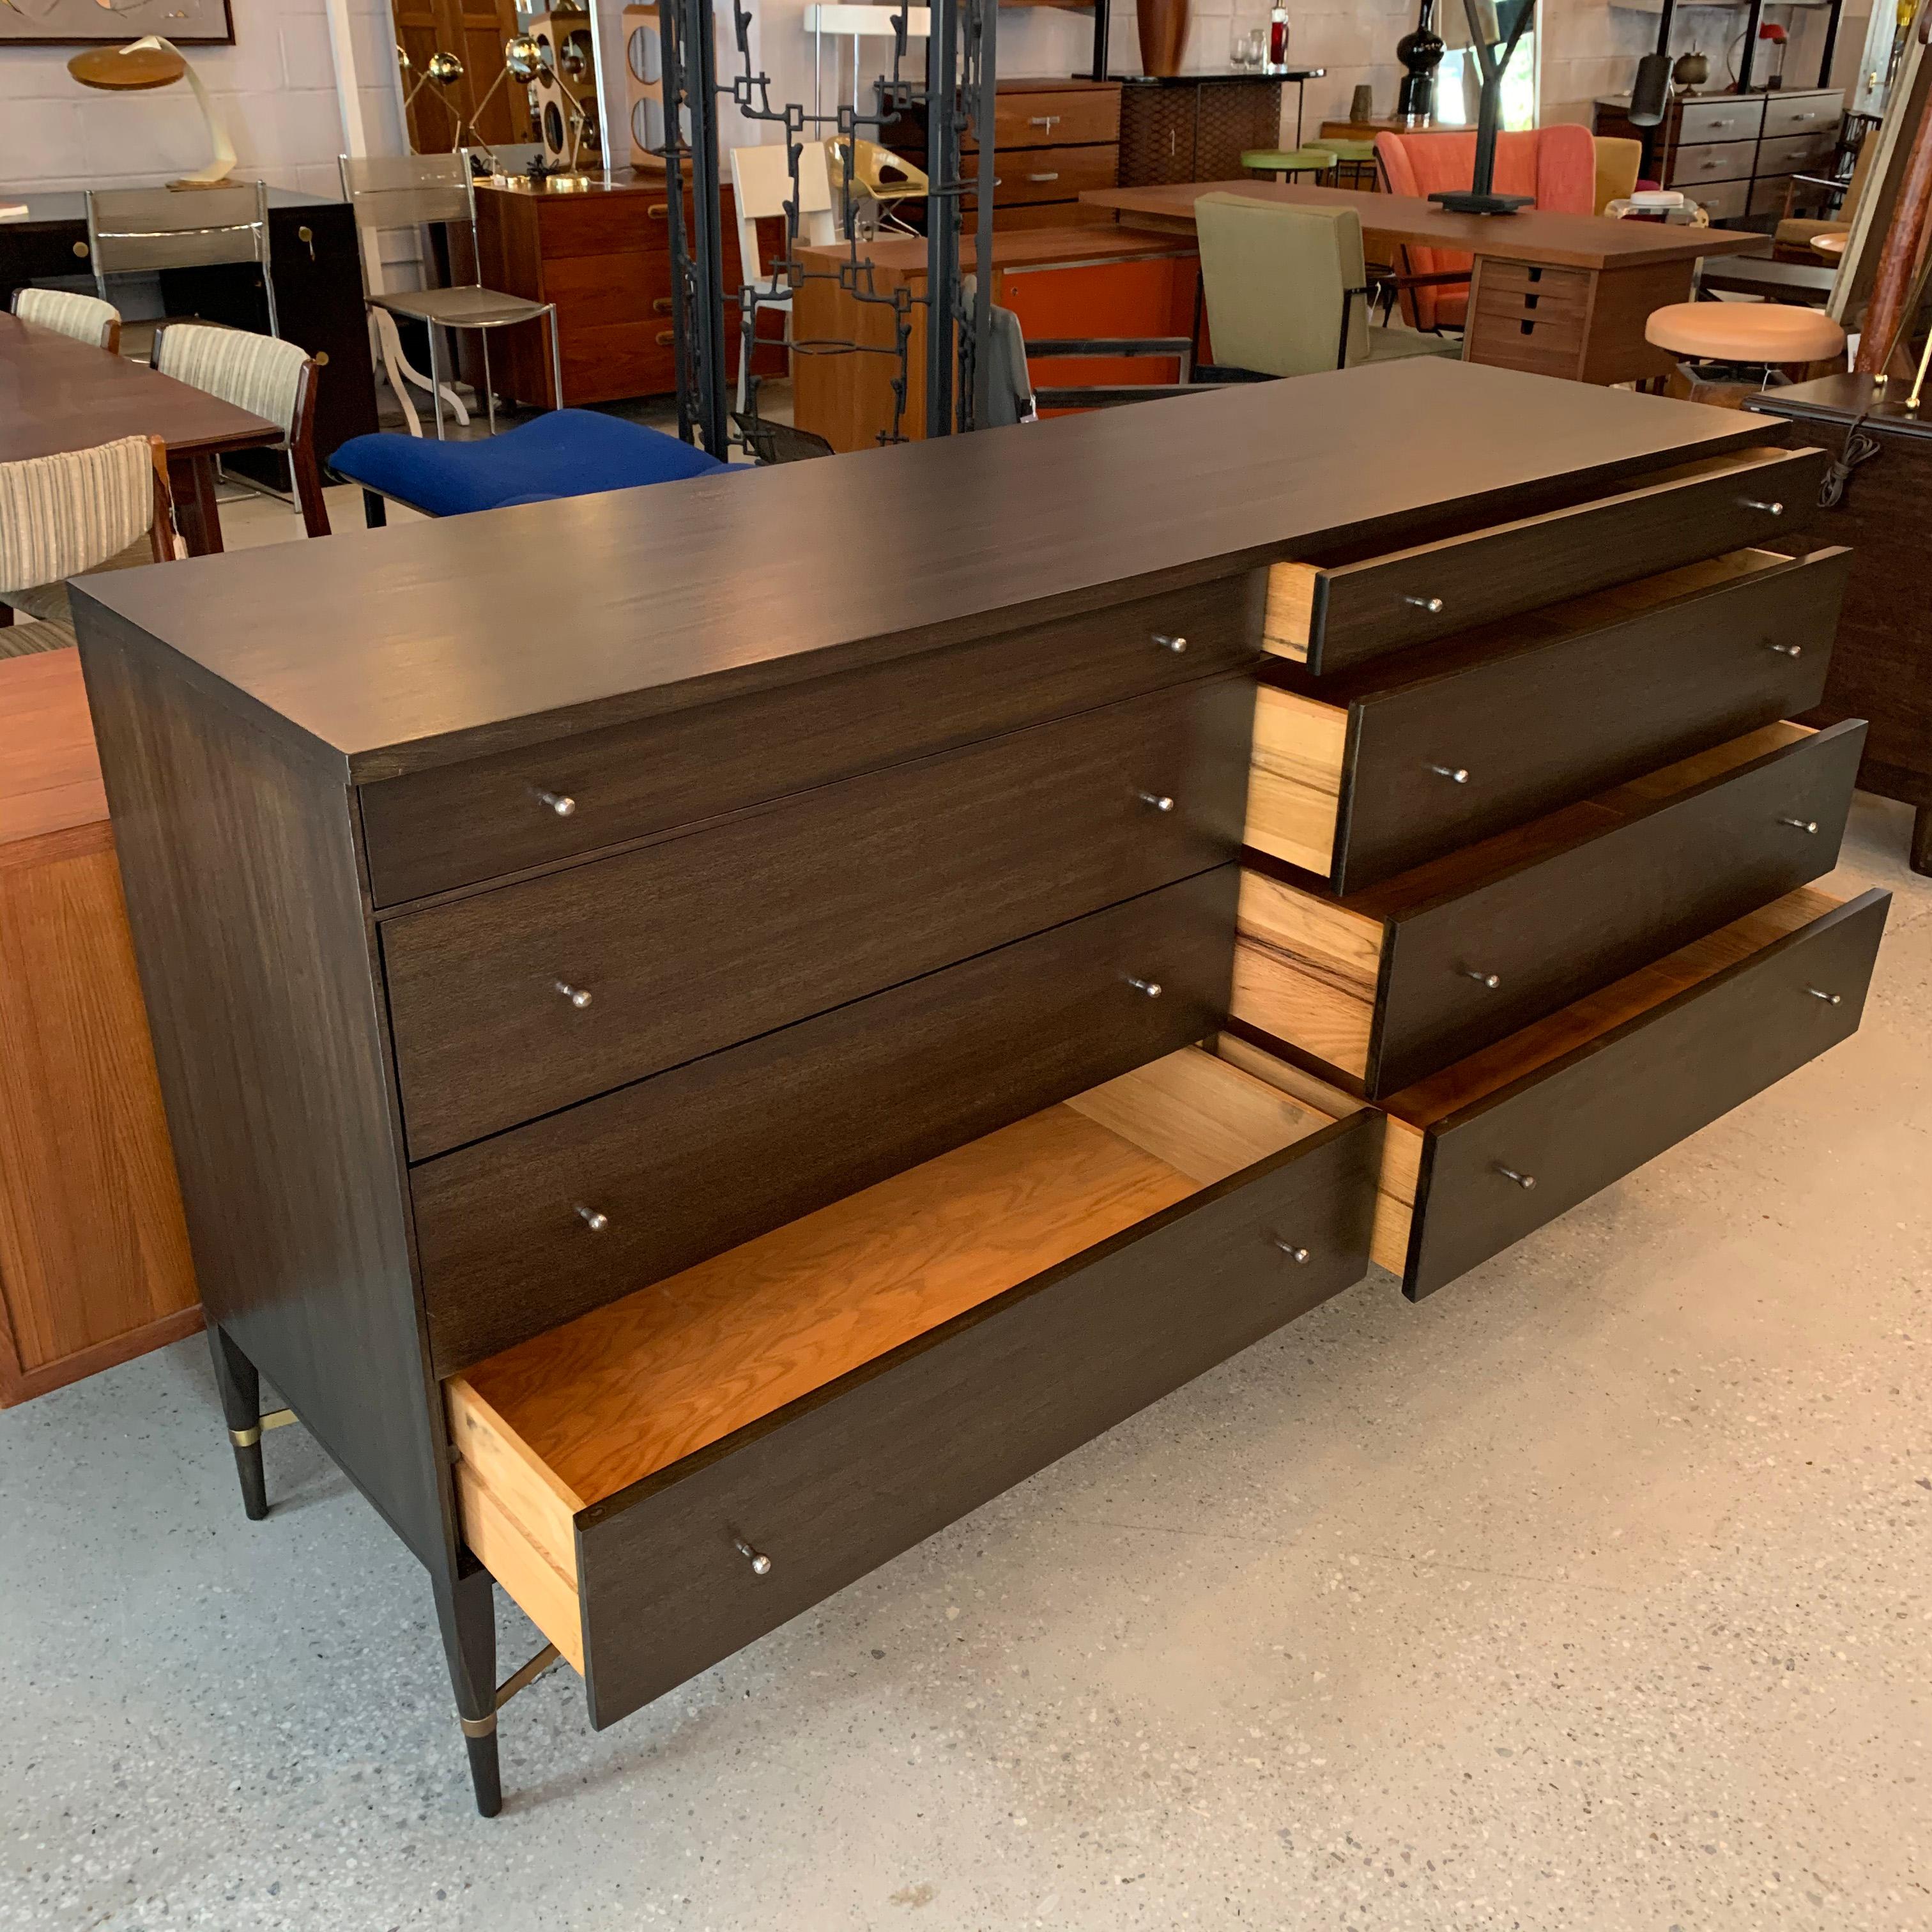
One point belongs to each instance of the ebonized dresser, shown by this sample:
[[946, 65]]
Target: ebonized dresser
[[692, 1076]]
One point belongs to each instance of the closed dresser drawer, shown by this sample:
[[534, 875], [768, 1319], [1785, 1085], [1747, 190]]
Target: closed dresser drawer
[[1802, 114], [1795, 153], [1049, 174], [1722, 120], [1050, 120], [537, 1226], [1331, 616], [510, 1003], [1720, 161], [488, 817], [1365, 775], [1495, 1147], [1723, 201], [1768, 195], [604, 224], [670, 1478], [1392, 984]]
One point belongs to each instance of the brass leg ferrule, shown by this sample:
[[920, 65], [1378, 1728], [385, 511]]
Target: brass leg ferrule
[[276, 1418], [479, 1727], [245, 1438]]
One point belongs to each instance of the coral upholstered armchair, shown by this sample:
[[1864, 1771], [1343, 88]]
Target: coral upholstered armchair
[[1557, 166]]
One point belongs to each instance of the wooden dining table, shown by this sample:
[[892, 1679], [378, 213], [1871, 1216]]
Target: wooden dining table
[[57, 395], [1554, 294]]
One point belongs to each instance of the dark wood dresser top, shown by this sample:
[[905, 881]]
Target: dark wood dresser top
[[390, 651]]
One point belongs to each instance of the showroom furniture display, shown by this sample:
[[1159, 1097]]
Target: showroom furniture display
[[1734, 155], [807, 1047], [1553, 294], [1195, 127], [317, 275], [93, 1254], [1882, 669]]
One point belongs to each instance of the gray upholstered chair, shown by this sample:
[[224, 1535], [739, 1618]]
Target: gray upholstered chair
[[104, 508], [261, 374], [85, 318], [1287, 291]]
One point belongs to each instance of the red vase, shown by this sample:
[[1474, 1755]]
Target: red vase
[[1163, 31]]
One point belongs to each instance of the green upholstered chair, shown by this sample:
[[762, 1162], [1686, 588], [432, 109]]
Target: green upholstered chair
[[1287, 292]]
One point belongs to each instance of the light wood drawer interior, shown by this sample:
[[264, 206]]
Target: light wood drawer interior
[[1300, 756], [558, 1425], [1331, 616]]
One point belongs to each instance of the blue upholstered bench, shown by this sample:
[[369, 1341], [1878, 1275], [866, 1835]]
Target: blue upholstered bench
[[563, 453]]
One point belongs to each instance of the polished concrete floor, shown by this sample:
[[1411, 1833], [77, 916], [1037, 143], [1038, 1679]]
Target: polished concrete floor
[[1595, 1592]]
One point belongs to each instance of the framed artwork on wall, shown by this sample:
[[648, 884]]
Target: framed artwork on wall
[[77, 23]]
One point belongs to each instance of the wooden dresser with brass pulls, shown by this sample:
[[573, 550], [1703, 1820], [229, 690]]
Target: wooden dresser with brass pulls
[[692, 1077]]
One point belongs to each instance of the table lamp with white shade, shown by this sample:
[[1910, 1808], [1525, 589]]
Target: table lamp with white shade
[[152, 62]]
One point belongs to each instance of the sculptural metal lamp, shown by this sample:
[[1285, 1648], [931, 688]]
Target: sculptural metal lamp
[[1480, 197], [152, 62]]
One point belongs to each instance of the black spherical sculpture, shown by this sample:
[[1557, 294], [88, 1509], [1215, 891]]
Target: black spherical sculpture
[[1420, 53]]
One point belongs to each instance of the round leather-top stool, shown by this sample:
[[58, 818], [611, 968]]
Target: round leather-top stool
[[1285, 163], [1761, 335]]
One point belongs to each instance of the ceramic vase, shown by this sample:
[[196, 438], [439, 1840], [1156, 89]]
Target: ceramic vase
[[1163, 31]]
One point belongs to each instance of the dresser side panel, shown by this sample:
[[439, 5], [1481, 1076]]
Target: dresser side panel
[[240, 868]]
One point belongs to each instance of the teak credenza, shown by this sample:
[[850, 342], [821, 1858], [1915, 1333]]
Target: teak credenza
[[691, 1077]]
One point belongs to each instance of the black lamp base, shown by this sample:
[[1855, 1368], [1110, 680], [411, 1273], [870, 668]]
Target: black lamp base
[[1467, 201]]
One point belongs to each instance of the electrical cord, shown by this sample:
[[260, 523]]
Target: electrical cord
[[1860, 446]]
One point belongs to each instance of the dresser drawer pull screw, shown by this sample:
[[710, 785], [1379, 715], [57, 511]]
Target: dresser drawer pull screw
[[594, 1221], [1819, 993], [1787, 650], [579, 997], [761, 1564], [1801, 824], [1176, 645], [1455, 774], [1288, 1248], [1150, 987], [1491, 980], [563, 806], [1769, 509], [1433, 605], [1158, 800], [1525, 1181]]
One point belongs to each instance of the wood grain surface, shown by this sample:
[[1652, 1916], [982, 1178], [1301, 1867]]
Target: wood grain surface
[[402, 648], [1307, 970], [49, 772], [1294, 778]]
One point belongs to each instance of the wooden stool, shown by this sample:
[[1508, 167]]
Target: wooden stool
[[1717, 341]]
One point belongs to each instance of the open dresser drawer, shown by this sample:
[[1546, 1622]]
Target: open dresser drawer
[[1330, 614], [1393, 984], [1358, 777], [663, 1480]]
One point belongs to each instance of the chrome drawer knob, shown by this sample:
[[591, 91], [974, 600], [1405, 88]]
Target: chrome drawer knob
[[593, 1220], [1525, 1181], [1801, 824], [1433, 605], [761, 1564], [562, 805], [1176, 645], [1150, 987], [1288, 1248], [1455, 774], [1819, 993], [1769, 509], [1786, 650], [1491, 980], [579, 997], [1158, 800]]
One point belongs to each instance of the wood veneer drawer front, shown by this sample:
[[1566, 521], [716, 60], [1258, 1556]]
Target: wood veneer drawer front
[[1572, 1126], [805, 1115], [1050, 174], [1733, 120], [605, 224], [1050, 120], [482, 819], [678, 1570], [1794, 153], [1393, 984], [708, 938], [1366, 775], [1801, 113], [1331, 616], [1724, 201], [1720, 161]]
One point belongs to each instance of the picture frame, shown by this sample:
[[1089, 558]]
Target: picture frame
[[87, 23]]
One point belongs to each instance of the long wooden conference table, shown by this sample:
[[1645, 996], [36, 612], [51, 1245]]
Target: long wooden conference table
[[1556, 294]]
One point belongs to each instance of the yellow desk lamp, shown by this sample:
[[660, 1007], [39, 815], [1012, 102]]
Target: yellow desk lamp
[[150, 63]]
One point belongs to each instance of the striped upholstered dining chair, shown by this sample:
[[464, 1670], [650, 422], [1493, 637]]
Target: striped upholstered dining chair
[[85, 318], [266, 376], [107, 508]]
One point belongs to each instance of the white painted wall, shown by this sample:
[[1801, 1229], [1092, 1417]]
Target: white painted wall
[[276, 87]]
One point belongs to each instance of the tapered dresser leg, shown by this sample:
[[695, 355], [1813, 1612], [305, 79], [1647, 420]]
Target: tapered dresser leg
[[1921, 840], [467, 1609], [241, 1387]]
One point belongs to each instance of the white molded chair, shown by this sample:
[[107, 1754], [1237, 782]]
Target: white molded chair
[[760, 186]]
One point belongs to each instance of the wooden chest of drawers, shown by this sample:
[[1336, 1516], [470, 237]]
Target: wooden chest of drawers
[[684, 1114]]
